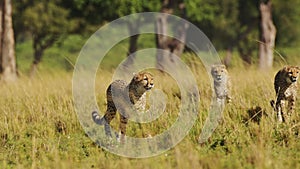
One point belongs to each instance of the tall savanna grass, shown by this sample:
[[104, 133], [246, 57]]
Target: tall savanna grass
[[39, 126]]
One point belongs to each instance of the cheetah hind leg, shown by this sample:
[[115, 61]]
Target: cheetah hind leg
[[279, 106], [280, 115], [277, 109], [122, 126]]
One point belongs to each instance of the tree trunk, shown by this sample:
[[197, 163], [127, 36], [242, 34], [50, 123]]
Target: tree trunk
[[174, 46], [178, 45], [245, 53], [38, 53], [133, 29], [39, 46], [37, 59], [7, 43], [161, 40], [267, 36], [228, 57]]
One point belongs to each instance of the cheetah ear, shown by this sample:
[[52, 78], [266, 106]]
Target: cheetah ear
[[136, 76], [213, 67], [223, 66], [297, 67], [286, 68]]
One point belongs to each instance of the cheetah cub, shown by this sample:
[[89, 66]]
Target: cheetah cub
[[121, 95], [285, 85], [222, 83]]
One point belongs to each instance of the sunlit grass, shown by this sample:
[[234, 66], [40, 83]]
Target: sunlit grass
[[39, 126]]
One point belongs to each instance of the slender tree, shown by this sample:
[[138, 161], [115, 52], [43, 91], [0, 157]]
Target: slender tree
[[267, 35], [174, 46], [7, 44], [47, 23], [127, 7]]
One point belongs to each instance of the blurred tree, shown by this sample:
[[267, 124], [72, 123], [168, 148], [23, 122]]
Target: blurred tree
[[267, 35], [226, 27], [174, 46], [87, 15], [47, 23], [201, 10], [103, 10], [235, 24], [248, 29], [7, 44], [287, 21], [230, 24], [127, 7]]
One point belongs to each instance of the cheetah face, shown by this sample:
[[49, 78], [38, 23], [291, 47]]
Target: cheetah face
[[218, 72], [292, 74], [144, 80]]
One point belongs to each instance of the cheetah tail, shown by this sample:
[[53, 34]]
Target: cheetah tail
[[97, 119]]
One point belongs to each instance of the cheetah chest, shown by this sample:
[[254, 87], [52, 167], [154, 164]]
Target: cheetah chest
[[290, 91], [221, 90]]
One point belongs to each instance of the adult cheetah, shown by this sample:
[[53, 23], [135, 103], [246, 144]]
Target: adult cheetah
[[120, 95], [285, 85]]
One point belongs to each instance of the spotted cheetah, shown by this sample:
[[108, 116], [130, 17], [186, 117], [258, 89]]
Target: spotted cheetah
[[285, 85], [121, 95], [222, 83]]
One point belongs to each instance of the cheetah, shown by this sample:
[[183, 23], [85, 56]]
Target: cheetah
[[285, 85], [222, 83], [121, 95]]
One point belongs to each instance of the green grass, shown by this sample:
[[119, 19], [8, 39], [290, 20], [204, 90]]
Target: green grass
[[39, 127]]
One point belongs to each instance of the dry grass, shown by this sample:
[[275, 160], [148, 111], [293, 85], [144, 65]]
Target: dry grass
[[39, 127]]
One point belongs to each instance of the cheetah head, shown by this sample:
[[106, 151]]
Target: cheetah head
[[292, 73], [143, 80], [218, 72]]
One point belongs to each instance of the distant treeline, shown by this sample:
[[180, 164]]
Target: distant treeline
[[230, 24]]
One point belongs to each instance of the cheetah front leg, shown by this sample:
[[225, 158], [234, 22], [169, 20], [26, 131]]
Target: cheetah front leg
[[220, 106], [228, 91]]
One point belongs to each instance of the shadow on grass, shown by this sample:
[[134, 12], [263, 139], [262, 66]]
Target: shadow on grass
[[255, 114]]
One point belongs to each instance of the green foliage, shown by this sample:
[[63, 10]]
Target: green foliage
[[225, 22], [41, 18], [201, 10], [47, 23], [228, 23], [287, 21], [110, 10], [87, 15], [61, 56], [46, 18]]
